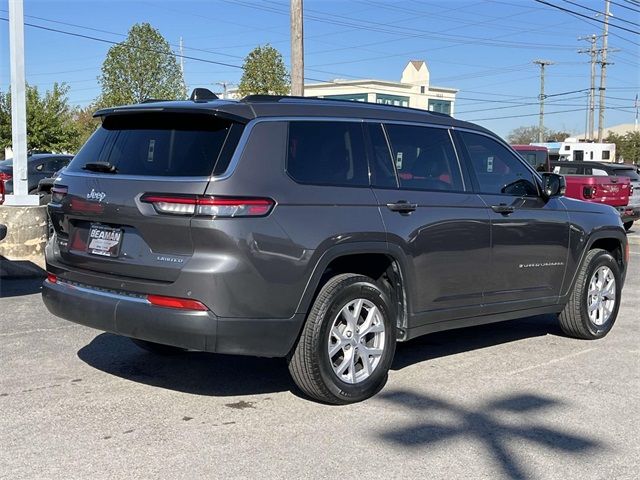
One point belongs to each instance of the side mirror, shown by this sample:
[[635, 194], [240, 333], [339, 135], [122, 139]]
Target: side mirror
[[553, 185]]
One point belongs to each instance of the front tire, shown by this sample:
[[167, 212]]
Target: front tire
[[347, 343], [593, 305]]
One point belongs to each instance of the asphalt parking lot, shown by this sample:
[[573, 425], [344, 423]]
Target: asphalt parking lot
[[511, 400]]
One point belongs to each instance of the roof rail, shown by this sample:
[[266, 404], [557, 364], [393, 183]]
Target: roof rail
[[277, 98], [274, 98]]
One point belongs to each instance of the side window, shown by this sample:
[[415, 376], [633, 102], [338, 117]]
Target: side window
[[497, 170], [382, 172], [327, 153], [599, 172], [40, 167], [424, 158]]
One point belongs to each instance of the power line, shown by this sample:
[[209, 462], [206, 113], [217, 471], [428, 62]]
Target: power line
[[628, 8], [585, 16], [111, 42], [526, 115], [601, 13]]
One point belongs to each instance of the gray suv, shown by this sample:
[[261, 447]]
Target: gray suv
[[322, 231]]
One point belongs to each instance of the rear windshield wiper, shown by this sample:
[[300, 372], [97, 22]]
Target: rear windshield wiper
[[103, 167]]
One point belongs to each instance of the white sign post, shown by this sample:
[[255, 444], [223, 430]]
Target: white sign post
[[18, 109]]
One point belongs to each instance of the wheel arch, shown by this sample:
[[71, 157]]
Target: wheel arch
[[613, 241], [377, 260]]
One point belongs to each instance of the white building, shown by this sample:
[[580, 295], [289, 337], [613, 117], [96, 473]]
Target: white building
[[413, 90]]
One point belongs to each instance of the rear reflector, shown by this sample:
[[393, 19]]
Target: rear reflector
[[172, 302], [221, 207], [51, 278], [5, 177]]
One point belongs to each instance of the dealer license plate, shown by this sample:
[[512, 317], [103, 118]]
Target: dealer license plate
[[104, 241]]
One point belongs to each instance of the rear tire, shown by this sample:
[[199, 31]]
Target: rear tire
[[628, 225], [347, 343], [593, 305], [157, 348]]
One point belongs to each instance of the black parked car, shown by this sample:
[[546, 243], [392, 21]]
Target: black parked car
[[322, 231], [39, 166]]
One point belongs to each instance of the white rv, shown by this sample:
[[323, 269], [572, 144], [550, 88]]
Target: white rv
[[573, 149]]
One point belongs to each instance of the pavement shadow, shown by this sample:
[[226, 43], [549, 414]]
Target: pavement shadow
[[451, 342], [228, 375], [486, 426], [19, 277], [190, 372]]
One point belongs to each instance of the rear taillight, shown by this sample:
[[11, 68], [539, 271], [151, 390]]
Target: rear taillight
[[222, 207], [5, 177], [58, 192], [589, 192], [172, 302]]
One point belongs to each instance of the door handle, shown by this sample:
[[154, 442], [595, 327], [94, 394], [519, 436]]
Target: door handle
[[503, 208], [402, 206]]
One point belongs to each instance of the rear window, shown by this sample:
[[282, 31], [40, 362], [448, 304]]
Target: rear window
[[627, 172], [156, 144]]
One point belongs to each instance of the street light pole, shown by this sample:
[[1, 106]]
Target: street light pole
[[18, 108]]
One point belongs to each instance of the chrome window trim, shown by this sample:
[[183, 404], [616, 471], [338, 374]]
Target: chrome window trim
[[235, 159], [244, 139], [504, 144]]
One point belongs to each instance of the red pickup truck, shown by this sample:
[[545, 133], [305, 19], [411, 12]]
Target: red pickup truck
[[614, 191]]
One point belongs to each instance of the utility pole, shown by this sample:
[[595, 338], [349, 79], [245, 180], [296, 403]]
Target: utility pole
[[297, 49], [225, 85], [181, 58], [542, 63], [18, 108], [593, 52], [603, 69]]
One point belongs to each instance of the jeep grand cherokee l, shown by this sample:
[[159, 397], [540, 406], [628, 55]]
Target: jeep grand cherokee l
[[318, 230]]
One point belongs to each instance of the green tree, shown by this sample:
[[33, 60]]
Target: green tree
[[627, 146], [526, 135], [264, 73], [141, 67], [85, 124], [50, 125]]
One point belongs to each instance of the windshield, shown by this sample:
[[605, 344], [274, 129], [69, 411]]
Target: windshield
[[156, 144]]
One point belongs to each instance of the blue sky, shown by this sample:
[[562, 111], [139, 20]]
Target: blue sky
[[484, 48]]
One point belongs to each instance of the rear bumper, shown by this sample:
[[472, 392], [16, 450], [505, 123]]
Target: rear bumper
[[196, 330], [629, 213]]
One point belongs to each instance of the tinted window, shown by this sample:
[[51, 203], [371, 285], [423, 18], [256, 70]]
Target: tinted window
[[382, 171], [424, 158], [327, 153], [568, 170], [156, 144], [627, 172], [497, 170]]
